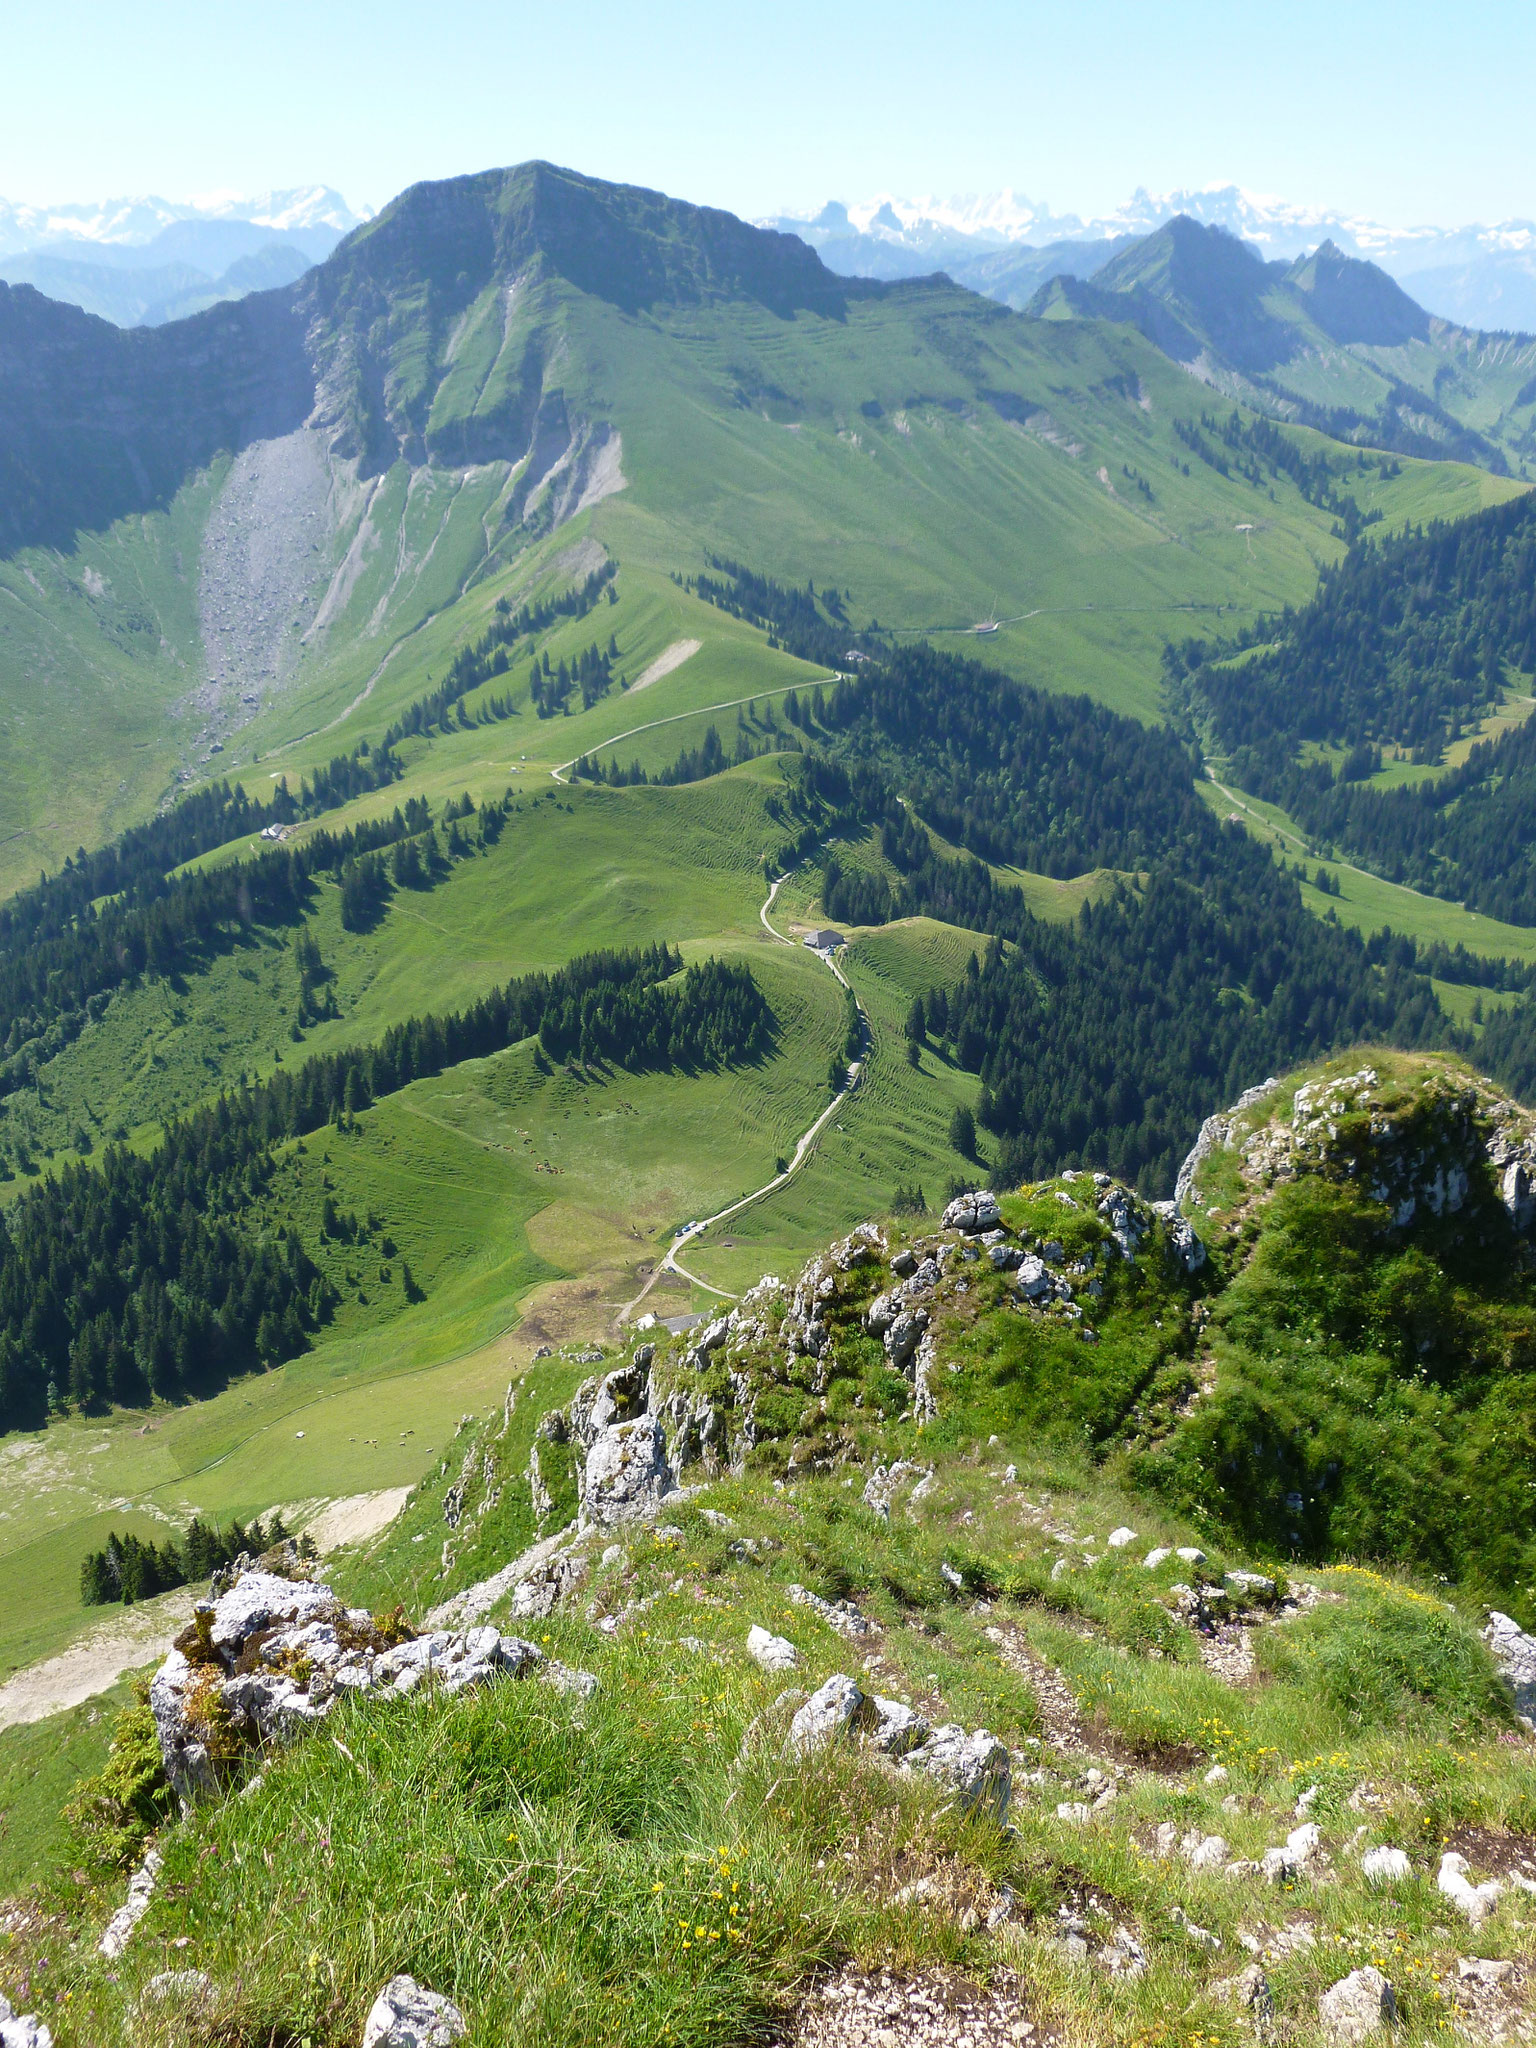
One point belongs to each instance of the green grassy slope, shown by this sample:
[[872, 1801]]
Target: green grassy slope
[[527, 1204], [657, 1861], [1328, 338], [943, 460]]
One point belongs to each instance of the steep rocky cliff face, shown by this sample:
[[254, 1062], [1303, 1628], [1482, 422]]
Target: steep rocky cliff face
[[427, 336], [98, 421]]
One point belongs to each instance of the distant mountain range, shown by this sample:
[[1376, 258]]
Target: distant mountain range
[[1478, 276], [140, 262], [1327, 340]]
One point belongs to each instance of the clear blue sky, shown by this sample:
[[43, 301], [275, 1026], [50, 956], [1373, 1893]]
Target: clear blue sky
[[1408, 112]]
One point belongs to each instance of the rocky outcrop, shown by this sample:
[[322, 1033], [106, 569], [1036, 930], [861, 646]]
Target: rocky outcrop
[[1215, 1135], [972, 1213], [1423, 1146], [273, 1656], [974, 1766], [626, 1474]]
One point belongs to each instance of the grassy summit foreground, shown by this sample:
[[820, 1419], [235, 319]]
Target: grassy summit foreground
[[1199, 1525]]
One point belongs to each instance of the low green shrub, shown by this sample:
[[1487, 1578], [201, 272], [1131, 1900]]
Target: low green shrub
[[114, 1813], [1388, 1657]]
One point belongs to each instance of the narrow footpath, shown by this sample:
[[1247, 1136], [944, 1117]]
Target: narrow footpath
[[691, 1232], [563, 772]]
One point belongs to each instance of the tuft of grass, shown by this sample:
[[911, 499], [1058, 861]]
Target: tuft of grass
[[1390, 1657]]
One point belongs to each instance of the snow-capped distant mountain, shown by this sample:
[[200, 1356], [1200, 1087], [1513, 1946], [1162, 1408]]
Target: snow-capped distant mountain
[[1480, 275], [308, 214]]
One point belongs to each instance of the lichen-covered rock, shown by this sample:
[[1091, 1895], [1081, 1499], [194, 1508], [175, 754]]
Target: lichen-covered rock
[[1360, 2004], [976, 1766], [261, 1599], [626, 1475], [404, 2015]]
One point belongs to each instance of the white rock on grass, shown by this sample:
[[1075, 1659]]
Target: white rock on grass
[[897, 1729], [1483, 1970], [834, 1709], [771, 1652], [141, 1889], [1476, 1901], [1156, 1557], [1360, 2004], [1385, 1866], [22, 2030], [1514, 1652], [975, 1766], [1119, 1538], [1210, 1853], [406, 2016], [1301, 1849]]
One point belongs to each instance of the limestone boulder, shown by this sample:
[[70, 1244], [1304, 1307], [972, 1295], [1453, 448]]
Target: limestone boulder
[[626, 1475], [404, 2015]]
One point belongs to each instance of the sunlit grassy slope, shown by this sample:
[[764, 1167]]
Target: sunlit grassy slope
[[941, 459], [528, 1204]]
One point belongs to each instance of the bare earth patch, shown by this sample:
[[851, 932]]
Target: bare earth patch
[[674, 657], [135, 1636], [356, 1518]]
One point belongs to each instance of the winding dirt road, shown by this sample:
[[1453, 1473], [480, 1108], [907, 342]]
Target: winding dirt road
[[803, 1149]]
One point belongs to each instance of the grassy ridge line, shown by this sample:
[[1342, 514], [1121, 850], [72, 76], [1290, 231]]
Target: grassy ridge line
[[803, 1147]]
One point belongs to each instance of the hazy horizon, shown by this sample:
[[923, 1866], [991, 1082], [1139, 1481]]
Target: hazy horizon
[[1323, 109]]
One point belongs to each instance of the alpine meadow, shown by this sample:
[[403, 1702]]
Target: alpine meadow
[[767, 1145]]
